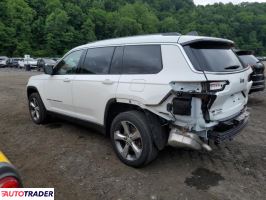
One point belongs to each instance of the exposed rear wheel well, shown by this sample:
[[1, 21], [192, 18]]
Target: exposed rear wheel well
[[113, 110], [159, 131]]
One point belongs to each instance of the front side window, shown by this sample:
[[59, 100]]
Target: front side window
[[69, 64], [142, 59], [97, 61]]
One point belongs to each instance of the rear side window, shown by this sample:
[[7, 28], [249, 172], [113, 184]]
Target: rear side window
[[142, 59], [213, 57], [97, 61]]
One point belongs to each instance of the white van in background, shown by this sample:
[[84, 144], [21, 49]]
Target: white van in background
[[3, 61], [27, 60]]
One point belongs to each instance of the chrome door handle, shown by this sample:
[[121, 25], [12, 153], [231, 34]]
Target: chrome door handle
[[108, 82], [66, 80]]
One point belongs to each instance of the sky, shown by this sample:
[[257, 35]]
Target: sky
[[205, 2]]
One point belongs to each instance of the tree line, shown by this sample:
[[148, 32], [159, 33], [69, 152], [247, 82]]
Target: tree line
[[52, 27]]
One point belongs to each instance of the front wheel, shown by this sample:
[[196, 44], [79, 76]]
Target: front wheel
[[37, 109], [132, 140]]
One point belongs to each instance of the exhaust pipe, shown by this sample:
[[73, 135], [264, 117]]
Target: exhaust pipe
[[186, 140]]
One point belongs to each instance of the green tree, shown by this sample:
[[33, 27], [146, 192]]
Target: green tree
[[169, 24], [58, 32], [51, 27], [19, 18]]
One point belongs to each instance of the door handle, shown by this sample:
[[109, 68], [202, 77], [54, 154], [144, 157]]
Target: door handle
[[66, 80], [108, 82]]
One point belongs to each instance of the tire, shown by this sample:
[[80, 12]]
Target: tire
[[134, 147], [37, 109]]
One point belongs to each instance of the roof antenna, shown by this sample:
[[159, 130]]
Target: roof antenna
[[193, 33]]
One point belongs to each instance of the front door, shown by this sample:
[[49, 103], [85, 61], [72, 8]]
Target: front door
[[58, 87]]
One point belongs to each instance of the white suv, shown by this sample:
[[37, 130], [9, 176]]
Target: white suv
[[148, 91]]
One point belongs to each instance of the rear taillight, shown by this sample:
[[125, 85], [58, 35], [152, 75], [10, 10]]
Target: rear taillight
[[9, 182], [215, 86]]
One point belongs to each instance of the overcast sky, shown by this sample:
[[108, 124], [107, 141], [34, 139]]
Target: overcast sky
[[205, 2]]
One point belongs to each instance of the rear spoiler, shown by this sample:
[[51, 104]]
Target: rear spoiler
[[188, 39]]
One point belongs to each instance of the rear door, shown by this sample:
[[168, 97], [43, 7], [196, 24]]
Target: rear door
[[226, 75], [96, 82]]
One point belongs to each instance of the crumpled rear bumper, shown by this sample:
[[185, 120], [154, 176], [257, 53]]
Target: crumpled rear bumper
[[227, 130]]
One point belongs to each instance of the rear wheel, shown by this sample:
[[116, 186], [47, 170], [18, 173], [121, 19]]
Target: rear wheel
[[37, 110], [132, 140]]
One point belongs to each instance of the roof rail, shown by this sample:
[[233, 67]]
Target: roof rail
[[163, 34], [171, 34], [193, 33]]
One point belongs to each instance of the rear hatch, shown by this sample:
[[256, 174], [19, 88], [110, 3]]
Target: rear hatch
[[226, 76]]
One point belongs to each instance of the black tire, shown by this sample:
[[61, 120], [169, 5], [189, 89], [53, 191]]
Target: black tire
[[41, 118], [137, 122]]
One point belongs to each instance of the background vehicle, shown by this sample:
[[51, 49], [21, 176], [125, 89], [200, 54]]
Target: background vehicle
[[13, 62], [258, 67], [42, 62], [261, 58], [55, 59], [28, 61], [148, 91], [9, 177], [3, 60]]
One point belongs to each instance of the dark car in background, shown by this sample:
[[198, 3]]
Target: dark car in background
[[258, 78], [42, 62], [13, 62]]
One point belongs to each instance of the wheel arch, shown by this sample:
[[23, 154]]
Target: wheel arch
[[158, 131], [31, 89], [112, 109]]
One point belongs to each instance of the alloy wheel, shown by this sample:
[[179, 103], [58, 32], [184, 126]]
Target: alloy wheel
[[34, 109], [128, 141]]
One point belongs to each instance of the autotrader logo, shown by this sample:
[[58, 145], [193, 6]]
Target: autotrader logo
[[27, 193]]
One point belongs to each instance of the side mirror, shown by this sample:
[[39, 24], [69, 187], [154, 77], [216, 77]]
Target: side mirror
[[48, 69]]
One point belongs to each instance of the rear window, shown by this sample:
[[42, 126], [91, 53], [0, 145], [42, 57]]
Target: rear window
[[142, 59], [249, 59], [213, 57]]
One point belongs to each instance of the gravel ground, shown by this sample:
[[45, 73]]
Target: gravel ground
[[80, 163]]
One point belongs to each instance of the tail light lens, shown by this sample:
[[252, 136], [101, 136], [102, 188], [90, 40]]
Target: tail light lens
[[215, 86], [9, 182]]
